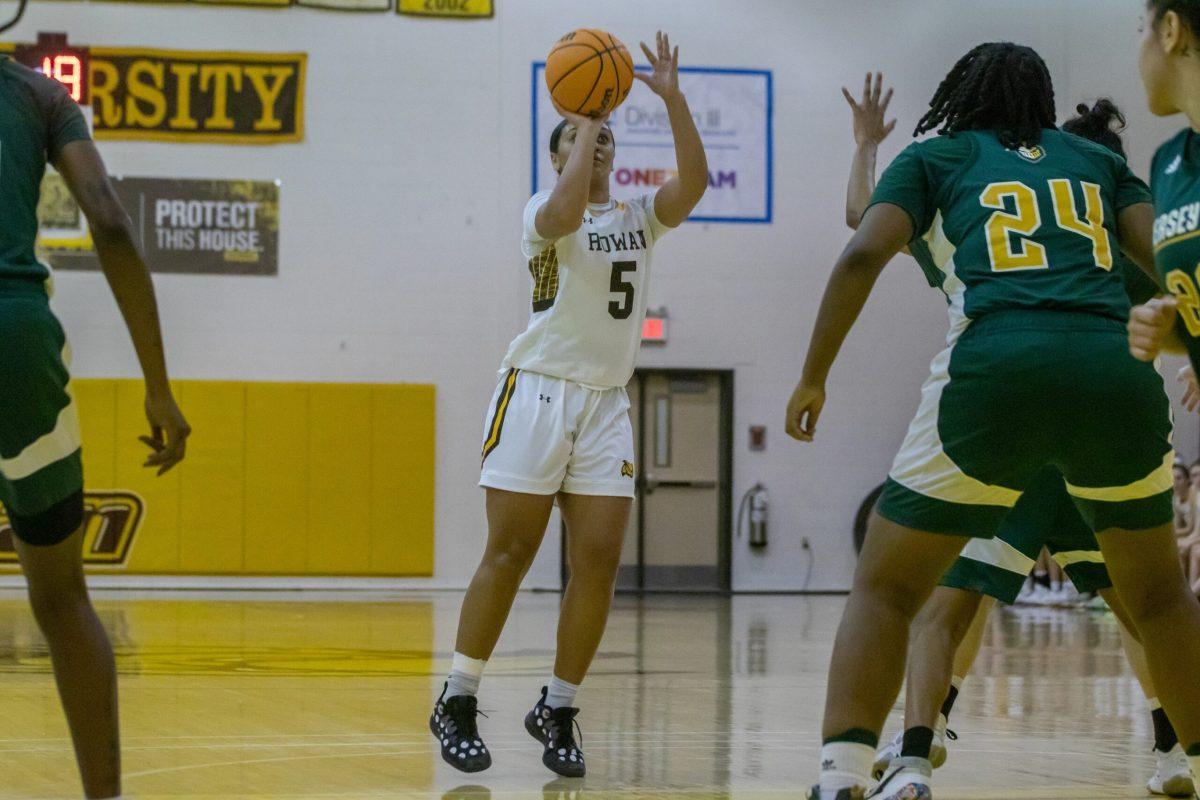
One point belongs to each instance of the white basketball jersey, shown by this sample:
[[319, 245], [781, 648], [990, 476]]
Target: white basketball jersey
[[589, 293]]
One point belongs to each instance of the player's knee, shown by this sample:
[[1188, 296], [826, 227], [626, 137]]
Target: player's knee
[[891, 593], [1151, 599], [52, 526], [62, 600], [513, 555], [596, 562]]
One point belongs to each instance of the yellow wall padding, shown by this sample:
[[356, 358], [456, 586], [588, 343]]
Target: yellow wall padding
[[279, 479]]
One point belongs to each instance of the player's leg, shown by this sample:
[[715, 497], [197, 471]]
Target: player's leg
[[524, 459], [890, 586], [1194, 568], [1149, 581], [595, 532], [988, 569], [516, 527], [42, 491], [79, 648], [1172, 775], [937, 632], [1118, 467], [968, 652], [596, 498], [932, 502]]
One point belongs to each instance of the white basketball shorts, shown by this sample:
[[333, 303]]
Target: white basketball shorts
[[544, 435]]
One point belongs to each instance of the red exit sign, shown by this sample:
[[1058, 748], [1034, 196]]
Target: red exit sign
[[654, 330], [56, 59]]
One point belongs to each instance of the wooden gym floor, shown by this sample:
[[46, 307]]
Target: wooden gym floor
[[327, 696]]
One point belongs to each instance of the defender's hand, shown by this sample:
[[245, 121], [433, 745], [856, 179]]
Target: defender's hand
[[870, 111], [803, 410], [168, 432]]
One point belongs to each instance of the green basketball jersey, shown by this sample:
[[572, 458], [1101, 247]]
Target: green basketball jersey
[[37, 119], [1031, 228], [1175, 180]]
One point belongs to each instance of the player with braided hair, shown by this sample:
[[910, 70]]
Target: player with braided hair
[[1027, 223], [1000, 86]]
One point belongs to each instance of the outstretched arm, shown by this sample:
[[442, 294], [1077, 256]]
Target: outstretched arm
[[884, 231], [678, 196], [562, 214], [869, 131], [83, 170]]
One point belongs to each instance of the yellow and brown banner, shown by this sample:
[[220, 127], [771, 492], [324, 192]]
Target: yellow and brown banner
[[186, 96], [446, 8], [181, 95]]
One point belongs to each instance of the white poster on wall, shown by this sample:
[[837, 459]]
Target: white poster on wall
[[732, 108]]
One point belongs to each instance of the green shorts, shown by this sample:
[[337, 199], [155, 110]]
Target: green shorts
[[1045, 516], [40, 463], [1022, 390]]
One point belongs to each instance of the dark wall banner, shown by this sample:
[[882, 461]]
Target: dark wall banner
[[185, 96], [204, 227]]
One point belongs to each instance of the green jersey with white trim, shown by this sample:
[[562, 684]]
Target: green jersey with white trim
[[1027, 228], [1175, 182], [37, 119]]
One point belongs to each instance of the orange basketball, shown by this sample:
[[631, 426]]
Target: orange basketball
[[589, 72]]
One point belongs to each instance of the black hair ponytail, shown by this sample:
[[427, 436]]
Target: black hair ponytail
[[1102, 123]]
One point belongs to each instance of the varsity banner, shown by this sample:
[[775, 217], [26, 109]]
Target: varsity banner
[[185, 96], [204, 227], [733, 111]]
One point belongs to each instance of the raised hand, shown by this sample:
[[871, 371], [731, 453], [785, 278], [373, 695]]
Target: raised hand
[[663, 80], [870, 111]]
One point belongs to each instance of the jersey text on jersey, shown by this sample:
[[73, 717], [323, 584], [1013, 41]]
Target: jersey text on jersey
[[1182, 221]]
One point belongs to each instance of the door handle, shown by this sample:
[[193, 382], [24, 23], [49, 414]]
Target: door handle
[[653, 483]]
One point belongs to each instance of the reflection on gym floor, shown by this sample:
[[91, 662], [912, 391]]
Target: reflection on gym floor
[[327, 695]]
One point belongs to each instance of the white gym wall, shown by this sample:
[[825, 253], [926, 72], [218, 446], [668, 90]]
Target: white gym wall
[[401, 211]]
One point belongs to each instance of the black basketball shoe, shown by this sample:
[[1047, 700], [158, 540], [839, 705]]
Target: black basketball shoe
[[453, 723], [555, 729]]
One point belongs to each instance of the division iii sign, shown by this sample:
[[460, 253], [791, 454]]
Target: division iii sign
[[733, 112]]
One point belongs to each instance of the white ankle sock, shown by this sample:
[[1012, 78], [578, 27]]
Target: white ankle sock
[[465, 674], [845, 765], [559, 693]]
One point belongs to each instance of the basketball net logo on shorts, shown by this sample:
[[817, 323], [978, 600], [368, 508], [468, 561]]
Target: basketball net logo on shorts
[[1035, 153], [626, 469], [110, 521]]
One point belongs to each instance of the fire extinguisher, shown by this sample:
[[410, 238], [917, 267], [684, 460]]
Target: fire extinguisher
[[756, 502]]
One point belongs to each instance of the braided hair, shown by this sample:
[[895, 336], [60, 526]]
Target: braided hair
[[1188, 10], [998, 86], [1102, 123]]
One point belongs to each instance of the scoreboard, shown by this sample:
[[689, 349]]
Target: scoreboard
[[56, 59]]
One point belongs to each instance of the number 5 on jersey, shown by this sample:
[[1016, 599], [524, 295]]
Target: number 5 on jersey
[[621, 309], [1008, 228]]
